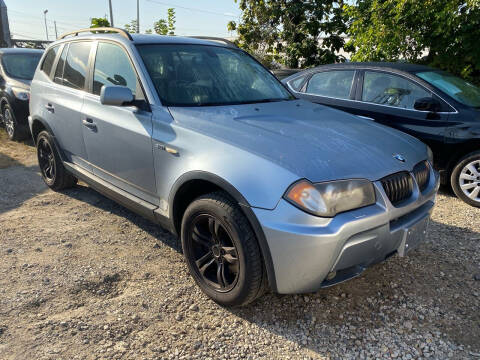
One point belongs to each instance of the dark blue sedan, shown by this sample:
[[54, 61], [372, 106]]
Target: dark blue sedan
[[438, 108]]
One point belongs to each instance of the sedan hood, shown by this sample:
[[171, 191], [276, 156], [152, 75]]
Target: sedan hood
[[310, 140], [20, 83]]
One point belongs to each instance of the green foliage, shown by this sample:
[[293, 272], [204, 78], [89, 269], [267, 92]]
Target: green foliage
[[440, 33], [171, 21], [291, 31], [132, 27], [99, 22], [160, 27], [166, 27]]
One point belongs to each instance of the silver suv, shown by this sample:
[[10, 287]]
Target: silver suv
[[262, 188]]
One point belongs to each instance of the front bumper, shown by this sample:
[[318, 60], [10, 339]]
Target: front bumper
[[307, 249]]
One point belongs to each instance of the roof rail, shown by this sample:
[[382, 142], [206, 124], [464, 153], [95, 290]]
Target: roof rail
[[122, 32], [218, 39]]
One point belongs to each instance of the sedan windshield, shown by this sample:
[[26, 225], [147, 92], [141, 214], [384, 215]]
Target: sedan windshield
[[203, 75], [462, 91], [20, 66]]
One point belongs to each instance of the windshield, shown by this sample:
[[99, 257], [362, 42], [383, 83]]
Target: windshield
[[462, 91], [202, 75], [20, 66]]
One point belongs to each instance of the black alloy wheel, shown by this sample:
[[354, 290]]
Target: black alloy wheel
[[53, 172], [46, 160], [222, 251], [214, 252]]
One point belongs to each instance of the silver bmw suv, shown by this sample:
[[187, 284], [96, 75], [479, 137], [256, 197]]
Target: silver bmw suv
[[264, 190]]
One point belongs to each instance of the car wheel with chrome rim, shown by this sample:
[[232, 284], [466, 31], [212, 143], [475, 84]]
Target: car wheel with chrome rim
[[466, 179], [221, 250], [14, 132]]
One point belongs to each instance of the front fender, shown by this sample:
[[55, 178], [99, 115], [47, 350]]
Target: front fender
[[244, 206]]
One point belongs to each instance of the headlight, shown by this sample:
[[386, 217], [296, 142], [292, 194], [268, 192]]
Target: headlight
[[330, 198], [430, 155], [21, 94]]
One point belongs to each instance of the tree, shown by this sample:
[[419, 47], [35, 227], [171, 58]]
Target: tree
[[292, 32], [171, 21], [161, 27], [440, 33], [132, 27], [99, 22], [166, 27]]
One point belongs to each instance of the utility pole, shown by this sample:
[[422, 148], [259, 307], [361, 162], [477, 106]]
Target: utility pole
[[5, 37], [138, 16], [111, 13], [56, 34], [45, 17]]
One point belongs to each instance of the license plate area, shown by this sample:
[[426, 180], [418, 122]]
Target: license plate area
[[413, 236]]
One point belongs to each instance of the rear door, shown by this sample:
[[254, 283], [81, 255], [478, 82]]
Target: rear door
[[389, 99], [64, 104], [119, 138], [335, 88]]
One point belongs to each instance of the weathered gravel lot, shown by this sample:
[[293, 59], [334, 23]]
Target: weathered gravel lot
[[83, 278]]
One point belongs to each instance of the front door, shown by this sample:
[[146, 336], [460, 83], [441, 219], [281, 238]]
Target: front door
[[119, 138], [389, 99]]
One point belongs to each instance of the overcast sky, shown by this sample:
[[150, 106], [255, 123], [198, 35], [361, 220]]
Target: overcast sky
[[201, 17]]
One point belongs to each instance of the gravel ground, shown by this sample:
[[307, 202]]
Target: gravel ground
[[83, 278]]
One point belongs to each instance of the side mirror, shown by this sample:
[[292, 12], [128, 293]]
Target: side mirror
[[427, 104], [116, 95]]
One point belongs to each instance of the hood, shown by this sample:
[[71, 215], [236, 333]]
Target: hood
[[20, 83], [312, 141]]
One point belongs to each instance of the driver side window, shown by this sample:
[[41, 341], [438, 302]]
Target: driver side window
[[386, 89], [113, 67]]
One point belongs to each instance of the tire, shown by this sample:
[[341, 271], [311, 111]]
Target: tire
[[15, 132], [465, 179], [236, 274], [53, 172]]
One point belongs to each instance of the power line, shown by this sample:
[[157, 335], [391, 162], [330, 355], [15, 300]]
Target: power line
[[193, 9], [67, 18], [36, 17], [21, 36]]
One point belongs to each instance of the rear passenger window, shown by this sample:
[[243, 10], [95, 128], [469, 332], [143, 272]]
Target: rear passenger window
[[76, 65], [113, 67], [58, 78], [49, 59], [335, 84]]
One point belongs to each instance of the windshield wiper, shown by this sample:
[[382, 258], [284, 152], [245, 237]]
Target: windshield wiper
[[269, 100]]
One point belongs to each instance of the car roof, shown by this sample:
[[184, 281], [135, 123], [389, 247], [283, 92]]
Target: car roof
[[139, 39], [20, 51], [395, 66], [165, 39]]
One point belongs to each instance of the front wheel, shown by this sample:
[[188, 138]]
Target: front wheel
[[14, 131], [465, 179], [53, 172], [221, 250]]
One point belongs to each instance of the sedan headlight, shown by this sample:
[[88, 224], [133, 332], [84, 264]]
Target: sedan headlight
[[20, 93], [330, 198]]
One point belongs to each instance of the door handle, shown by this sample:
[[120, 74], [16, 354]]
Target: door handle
[[89, 123], [50, 108], [366, 117]]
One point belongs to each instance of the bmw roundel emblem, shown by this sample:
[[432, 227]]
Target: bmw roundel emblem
[[399, 157]]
